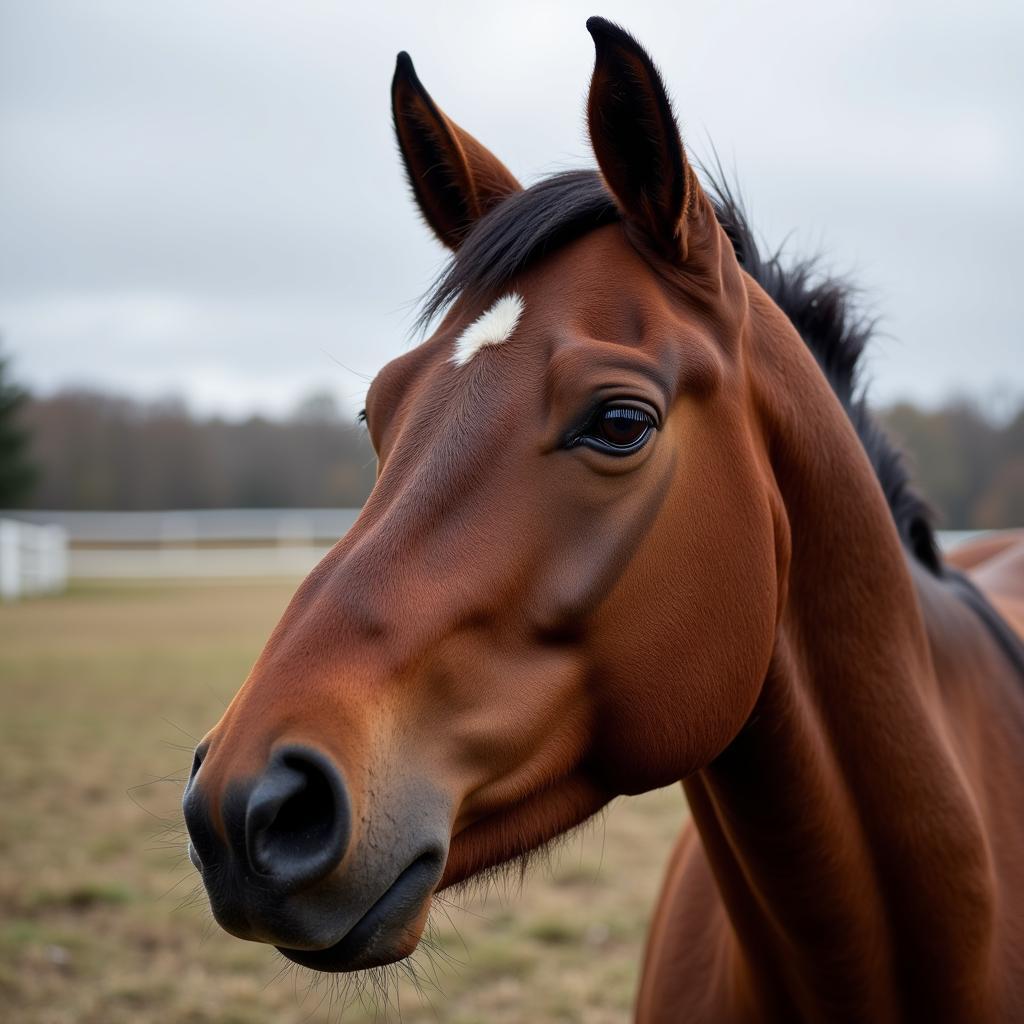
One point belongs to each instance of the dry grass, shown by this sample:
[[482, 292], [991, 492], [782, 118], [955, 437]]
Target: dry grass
[[103, 690]]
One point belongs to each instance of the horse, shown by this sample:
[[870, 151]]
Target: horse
[[633, 525]]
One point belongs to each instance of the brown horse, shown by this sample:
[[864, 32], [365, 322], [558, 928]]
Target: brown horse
[[632, 525]]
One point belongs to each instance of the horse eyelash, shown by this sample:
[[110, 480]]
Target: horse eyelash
[[572, 439], [627, 412]]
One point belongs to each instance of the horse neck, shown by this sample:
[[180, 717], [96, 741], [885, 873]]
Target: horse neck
[[839, 825]]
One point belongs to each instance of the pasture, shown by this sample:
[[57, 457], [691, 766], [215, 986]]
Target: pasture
[[103, 689]]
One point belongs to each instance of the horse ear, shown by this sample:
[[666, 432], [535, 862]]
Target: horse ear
[[636, 140], [454, 178]]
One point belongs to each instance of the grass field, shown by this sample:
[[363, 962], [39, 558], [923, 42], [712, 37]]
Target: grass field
[[103, 689]]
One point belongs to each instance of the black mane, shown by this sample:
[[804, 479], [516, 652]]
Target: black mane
[[529, 224]]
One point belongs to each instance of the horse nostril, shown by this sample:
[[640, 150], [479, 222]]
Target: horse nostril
[[202, 842], [297, 818], [197, 759]]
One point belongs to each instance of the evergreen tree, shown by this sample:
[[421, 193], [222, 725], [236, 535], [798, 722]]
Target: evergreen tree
[[17, 472]]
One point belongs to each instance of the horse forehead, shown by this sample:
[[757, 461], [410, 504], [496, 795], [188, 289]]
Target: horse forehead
[[597, 287], [602, 262]]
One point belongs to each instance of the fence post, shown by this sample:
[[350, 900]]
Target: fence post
[[54, 568], [33, 559], [10, 561]]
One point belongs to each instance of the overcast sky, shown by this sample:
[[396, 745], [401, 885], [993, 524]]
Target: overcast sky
[[204, 199]]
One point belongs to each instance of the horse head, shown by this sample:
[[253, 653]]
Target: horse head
[[564, 585]]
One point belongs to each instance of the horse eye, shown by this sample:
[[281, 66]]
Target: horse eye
[[618, 430]]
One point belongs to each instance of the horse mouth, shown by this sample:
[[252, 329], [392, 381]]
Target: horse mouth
[[388, 931]]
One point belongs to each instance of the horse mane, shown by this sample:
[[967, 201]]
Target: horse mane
[[823, 309]]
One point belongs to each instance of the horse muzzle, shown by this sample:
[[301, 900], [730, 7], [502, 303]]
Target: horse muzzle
[[286, 860]]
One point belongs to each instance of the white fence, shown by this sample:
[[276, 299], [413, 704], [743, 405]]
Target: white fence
[[212, 543], [33, 559]]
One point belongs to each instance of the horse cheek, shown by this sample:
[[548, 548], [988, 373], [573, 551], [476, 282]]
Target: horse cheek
[[681, 669]]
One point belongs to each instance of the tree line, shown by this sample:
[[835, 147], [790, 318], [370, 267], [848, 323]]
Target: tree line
[[97, 451], [86, 450], [970, 469]]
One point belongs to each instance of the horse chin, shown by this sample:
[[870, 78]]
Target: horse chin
[[339, 959]]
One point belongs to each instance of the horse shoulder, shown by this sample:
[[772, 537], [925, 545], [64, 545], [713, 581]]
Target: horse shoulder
[[1001, 577]]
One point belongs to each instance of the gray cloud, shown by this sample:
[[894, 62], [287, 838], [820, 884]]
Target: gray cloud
[[205, 198]]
